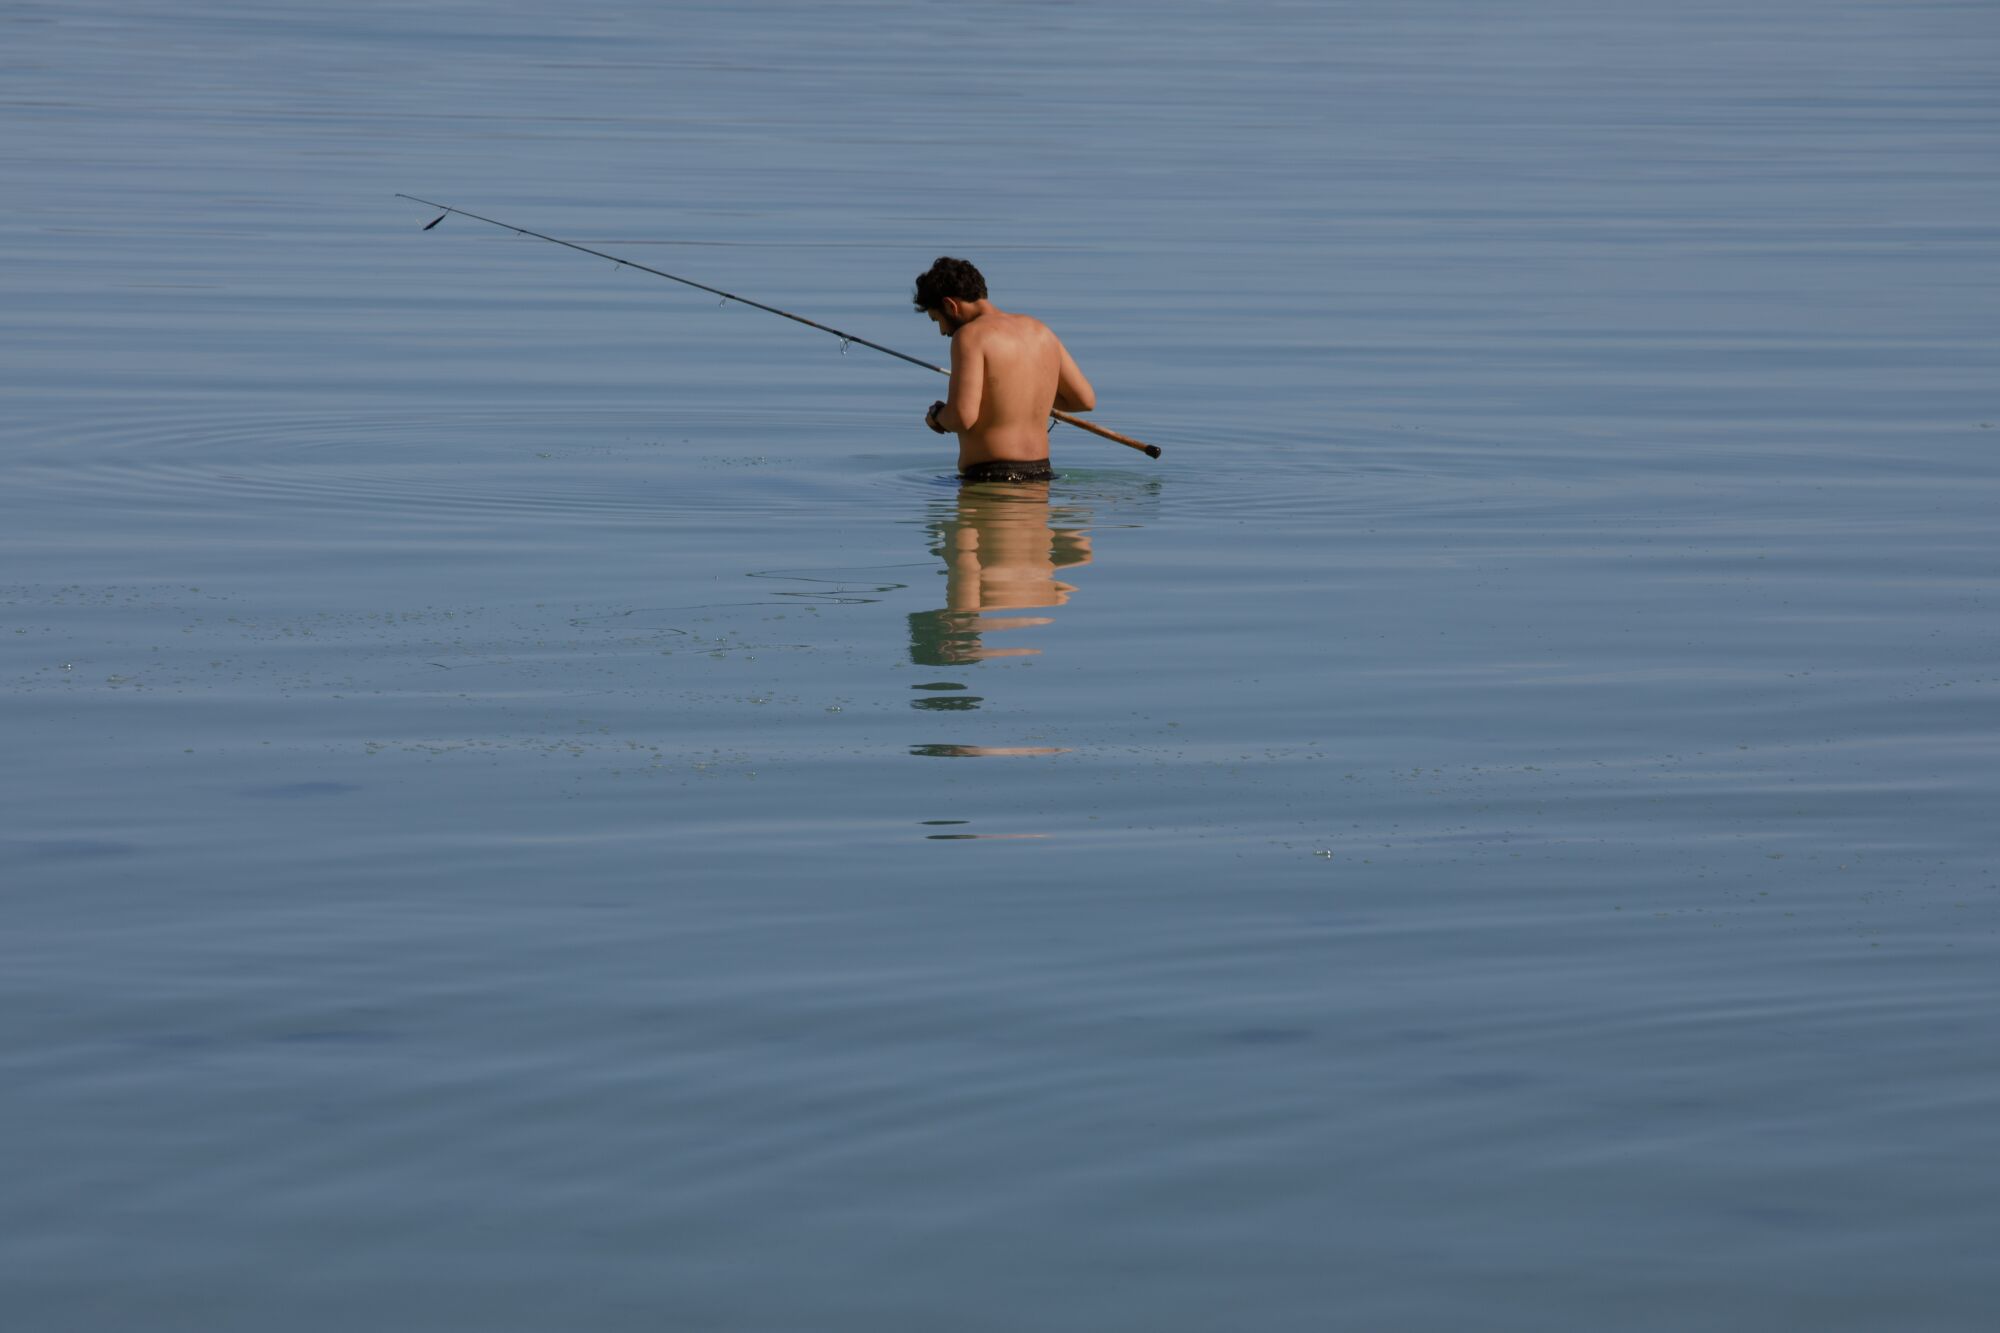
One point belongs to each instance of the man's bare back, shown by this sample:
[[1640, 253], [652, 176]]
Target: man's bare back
[[1007, 372]]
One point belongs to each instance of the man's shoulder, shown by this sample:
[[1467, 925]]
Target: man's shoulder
[[1001, 324]]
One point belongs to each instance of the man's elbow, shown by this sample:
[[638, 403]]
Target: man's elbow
[[1075, 401]]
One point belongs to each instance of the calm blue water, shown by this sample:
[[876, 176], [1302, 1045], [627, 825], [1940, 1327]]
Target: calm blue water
[[1494, 829]]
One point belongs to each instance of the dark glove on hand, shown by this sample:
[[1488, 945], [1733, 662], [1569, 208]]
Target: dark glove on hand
[[930, 417]]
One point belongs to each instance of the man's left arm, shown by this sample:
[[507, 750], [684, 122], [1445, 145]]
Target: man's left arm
[[1073, 391]]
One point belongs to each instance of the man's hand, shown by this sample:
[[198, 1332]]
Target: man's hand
[[931, 418]]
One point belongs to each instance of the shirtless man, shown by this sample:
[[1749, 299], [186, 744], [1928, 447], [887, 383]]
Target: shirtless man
[[1007, 373]]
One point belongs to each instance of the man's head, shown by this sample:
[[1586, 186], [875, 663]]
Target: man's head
[[946, 289]]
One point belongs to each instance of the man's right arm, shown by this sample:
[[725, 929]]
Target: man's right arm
[[964, 399], [1073, 391]]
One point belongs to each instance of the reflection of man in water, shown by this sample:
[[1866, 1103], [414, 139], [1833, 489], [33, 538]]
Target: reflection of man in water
[[1007, 373], [1000, 553]]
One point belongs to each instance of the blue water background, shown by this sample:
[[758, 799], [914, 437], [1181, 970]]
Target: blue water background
[[532, 801]]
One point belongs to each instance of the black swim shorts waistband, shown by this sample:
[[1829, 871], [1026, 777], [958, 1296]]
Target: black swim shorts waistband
[[1008, 469]]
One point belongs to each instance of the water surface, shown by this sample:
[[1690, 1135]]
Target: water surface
[[535, 801]]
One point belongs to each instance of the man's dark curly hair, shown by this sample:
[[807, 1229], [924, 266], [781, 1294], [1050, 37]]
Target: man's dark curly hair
[[949, 277]]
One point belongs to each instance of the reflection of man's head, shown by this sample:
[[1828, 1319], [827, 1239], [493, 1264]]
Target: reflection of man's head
[[942, 638]]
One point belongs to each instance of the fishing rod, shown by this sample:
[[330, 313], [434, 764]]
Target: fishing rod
[[1150, 450]]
